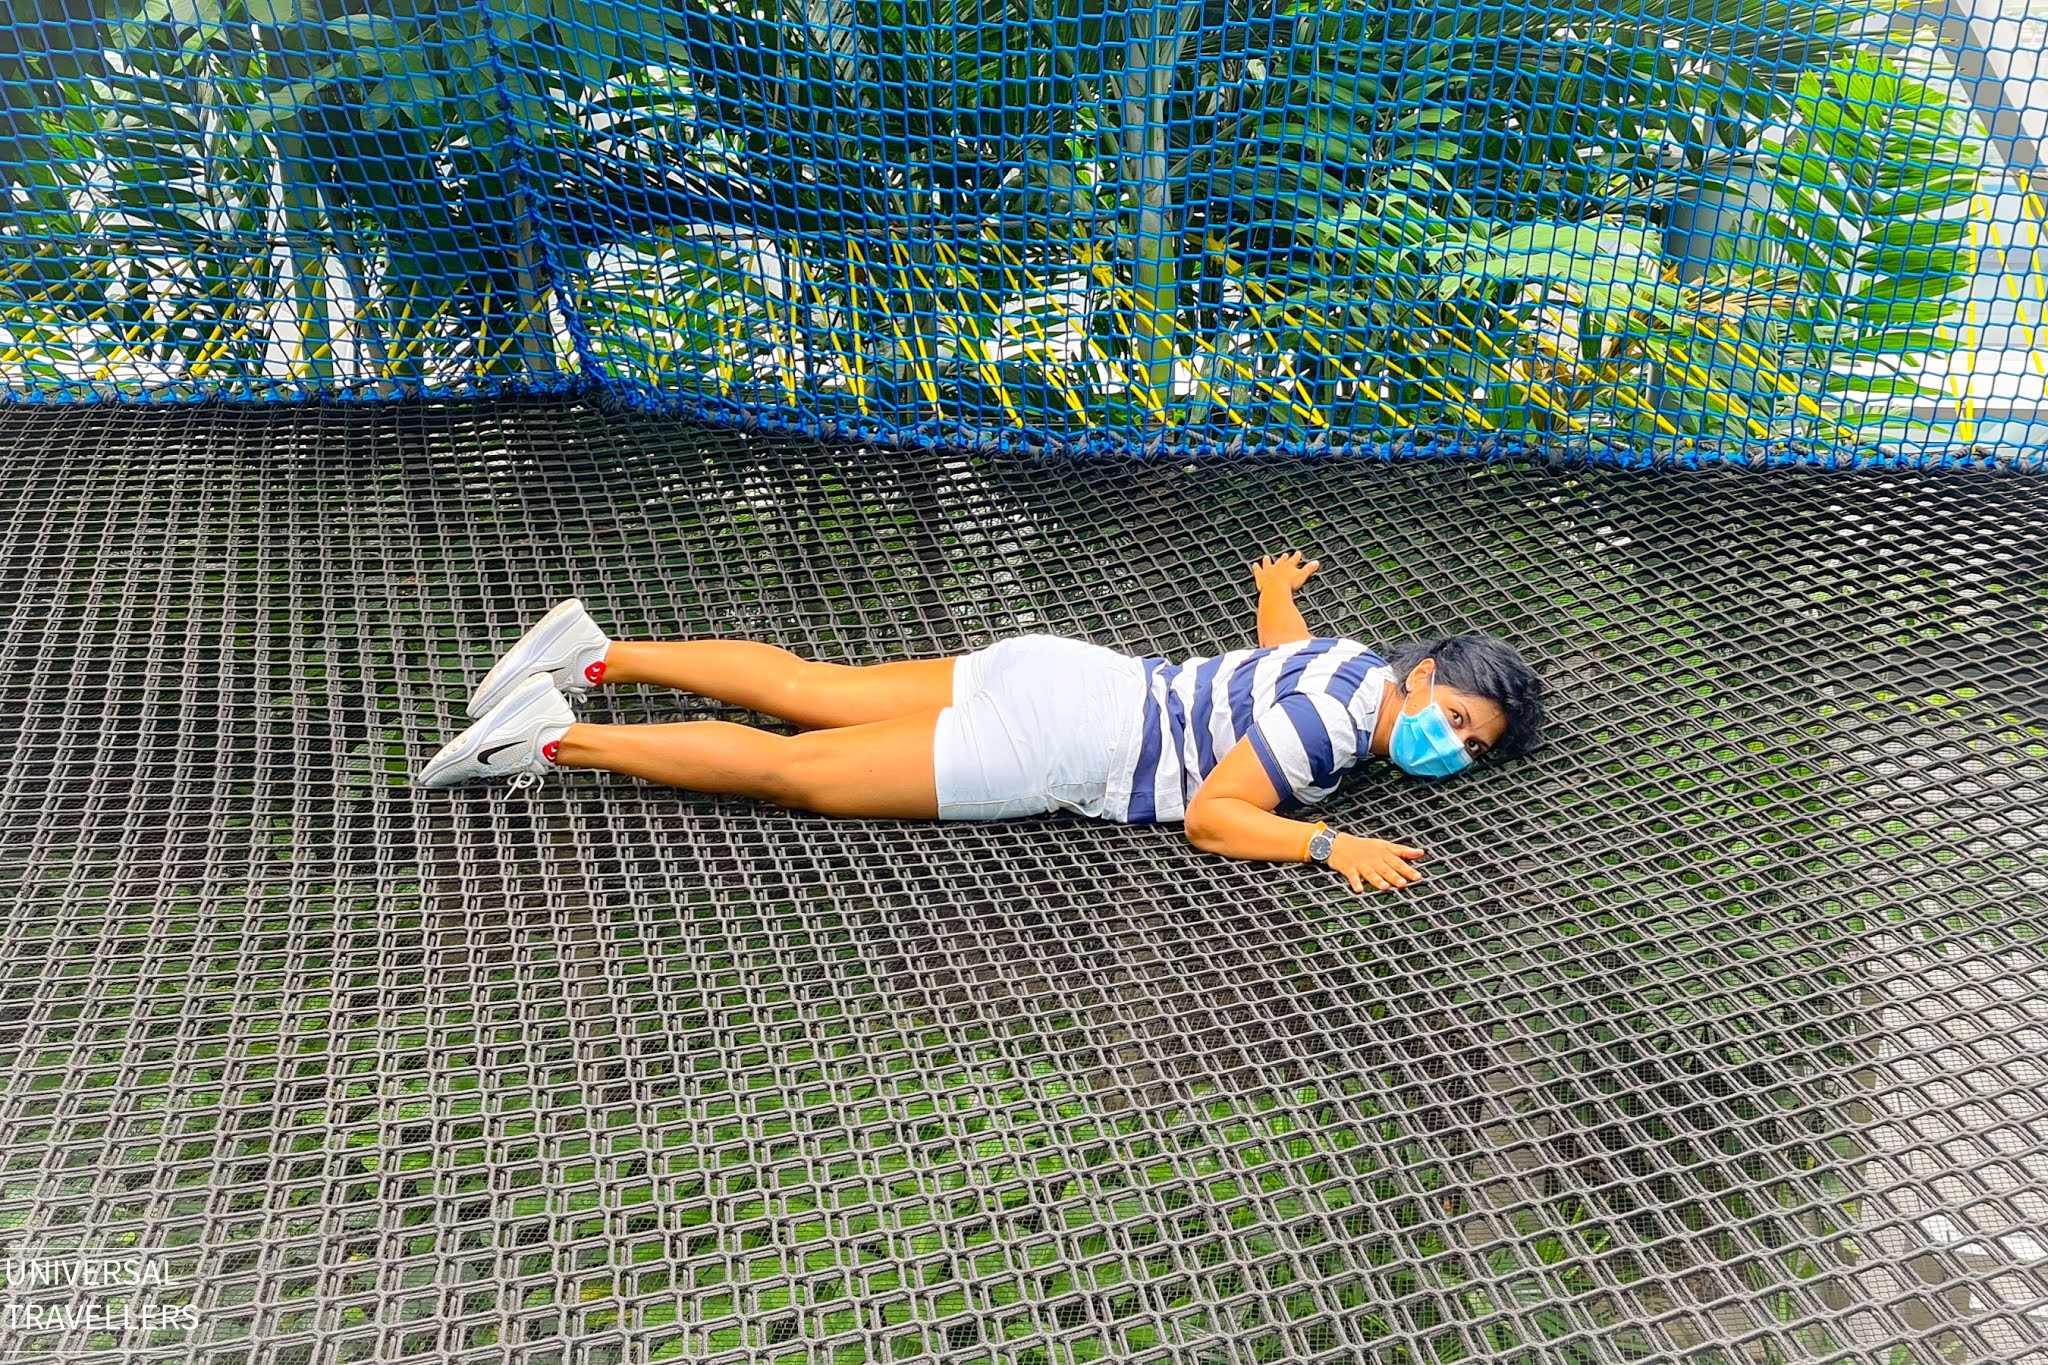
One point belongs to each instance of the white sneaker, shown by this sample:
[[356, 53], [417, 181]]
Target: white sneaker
[[565, 644], [518, 736]]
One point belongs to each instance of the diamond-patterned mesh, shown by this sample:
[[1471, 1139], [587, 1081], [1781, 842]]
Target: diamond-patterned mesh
[[1715, 1034], [1796, 231]]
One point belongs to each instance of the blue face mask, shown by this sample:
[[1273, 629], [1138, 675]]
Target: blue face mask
[[1425, 745]]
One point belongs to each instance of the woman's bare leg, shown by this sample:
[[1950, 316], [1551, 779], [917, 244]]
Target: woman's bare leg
[[775, 682], [881, 769]]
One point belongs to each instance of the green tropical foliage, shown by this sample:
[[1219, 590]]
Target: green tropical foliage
[[1060, 214], [1438, 258], [1866, 189], [376, 143]]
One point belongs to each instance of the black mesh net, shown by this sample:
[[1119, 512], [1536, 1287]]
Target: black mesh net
[[1714, 1035]]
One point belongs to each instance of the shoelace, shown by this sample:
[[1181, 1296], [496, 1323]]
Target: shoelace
[[522, 781]]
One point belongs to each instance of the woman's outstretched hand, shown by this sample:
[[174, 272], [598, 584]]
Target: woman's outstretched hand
[[1384, 865], [1283, 573]]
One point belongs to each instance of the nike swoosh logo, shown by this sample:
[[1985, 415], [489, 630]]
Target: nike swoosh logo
[[486, 755]]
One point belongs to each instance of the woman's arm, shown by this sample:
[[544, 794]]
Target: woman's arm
[[1280, 623], [1233, 814]]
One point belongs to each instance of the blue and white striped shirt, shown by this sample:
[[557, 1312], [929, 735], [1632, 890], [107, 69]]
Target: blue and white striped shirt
[[1309, 708]]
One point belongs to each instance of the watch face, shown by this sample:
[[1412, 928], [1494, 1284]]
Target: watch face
[[1319, 847]]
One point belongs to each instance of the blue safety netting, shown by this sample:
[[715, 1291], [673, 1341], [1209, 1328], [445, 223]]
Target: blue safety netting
[[1678, 229]]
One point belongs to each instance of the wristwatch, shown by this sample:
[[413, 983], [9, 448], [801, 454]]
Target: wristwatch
[[1320, 843]]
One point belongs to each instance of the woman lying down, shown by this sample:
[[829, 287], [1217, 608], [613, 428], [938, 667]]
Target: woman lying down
[[1031, 724]]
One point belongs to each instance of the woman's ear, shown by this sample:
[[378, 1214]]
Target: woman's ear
[[1419, 676]]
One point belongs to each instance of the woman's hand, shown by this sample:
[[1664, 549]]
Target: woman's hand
[[1383, 864], [1283, 573]]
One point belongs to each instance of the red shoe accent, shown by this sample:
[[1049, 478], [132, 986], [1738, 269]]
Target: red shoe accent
[[595, 673], [547, 751]]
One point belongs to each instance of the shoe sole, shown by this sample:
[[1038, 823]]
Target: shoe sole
[[536, 641]]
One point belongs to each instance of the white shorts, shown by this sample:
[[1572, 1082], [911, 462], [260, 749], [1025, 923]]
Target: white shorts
[[1038, 723]]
